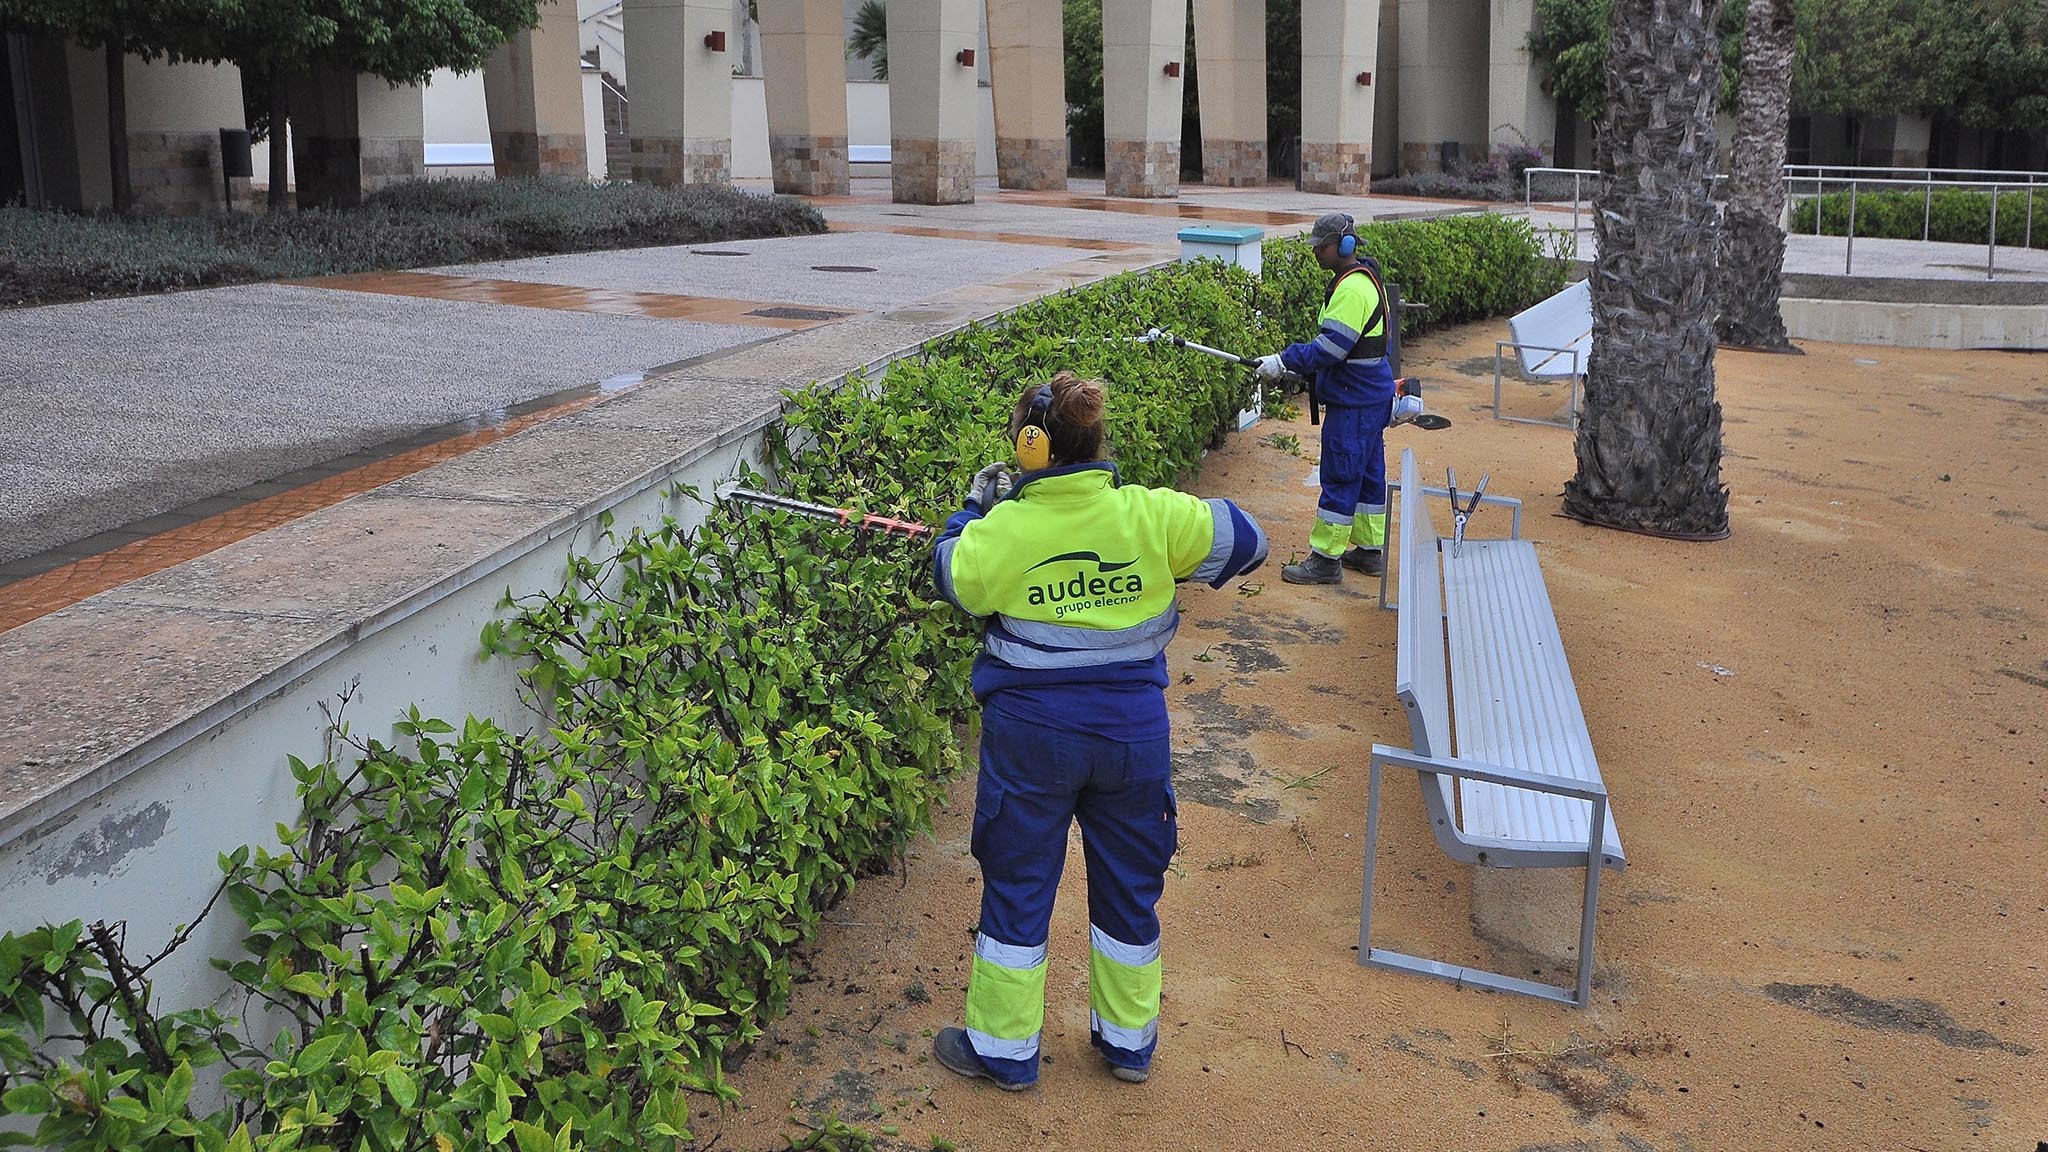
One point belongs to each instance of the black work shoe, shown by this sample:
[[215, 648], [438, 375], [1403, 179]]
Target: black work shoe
[[1371, 561], [1317, 569], [952, 1050], [1130, 1075]]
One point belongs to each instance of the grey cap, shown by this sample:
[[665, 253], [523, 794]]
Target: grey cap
[[1329, 228]]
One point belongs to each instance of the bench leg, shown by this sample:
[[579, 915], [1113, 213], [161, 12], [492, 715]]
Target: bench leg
[[1579, 996], [1589, 920], [1372, 844]]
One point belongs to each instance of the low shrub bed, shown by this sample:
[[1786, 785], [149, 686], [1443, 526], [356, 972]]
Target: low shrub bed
[[477, 936], [47, 257], [1955, 215]]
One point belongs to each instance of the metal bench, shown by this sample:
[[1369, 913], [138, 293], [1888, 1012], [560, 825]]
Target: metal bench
[[1553, 339], [1475, 628]]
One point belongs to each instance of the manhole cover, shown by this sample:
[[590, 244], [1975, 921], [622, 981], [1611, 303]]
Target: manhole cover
[[716, 252], [797, 313], [841, 268]]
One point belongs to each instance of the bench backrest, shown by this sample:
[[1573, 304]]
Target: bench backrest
[[1421, 677]]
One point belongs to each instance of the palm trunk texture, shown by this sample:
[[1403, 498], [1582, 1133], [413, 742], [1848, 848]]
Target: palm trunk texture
[[1750, 272], [1649, 437]]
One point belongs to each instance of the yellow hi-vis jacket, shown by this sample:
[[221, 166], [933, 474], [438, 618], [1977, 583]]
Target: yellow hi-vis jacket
[[1075, 575]]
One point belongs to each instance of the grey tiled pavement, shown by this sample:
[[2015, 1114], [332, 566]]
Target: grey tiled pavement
[[121, 409], [907, 269]]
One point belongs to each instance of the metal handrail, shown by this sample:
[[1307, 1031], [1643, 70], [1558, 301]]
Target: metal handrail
[[1818, 174]]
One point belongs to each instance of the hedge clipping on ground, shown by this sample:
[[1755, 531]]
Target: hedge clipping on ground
[[550, 938], [47, 257]]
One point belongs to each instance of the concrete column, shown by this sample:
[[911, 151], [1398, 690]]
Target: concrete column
[[1517, 110], [1141, 104], [1340, 41], [1028, 66], [679, 91], [933, 100], [1230, 42], [353, 134], [175, 114], [803, 49], [1444, 48], [533, 91], [1386, 94]]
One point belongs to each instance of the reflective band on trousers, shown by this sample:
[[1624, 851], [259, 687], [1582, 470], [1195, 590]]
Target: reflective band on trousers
[[1129, 1039], [1123, 989], [1006, 998], [997, 1048]]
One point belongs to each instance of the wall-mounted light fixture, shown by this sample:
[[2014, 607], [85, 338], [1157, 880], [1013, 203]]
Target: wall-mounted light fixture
[[715, 41], [966, 57], [1172, 68], [1365, 79]]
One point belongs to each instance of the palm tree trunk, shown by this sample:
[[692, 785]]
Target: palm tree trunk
[[1649, 437], [1750, 272]]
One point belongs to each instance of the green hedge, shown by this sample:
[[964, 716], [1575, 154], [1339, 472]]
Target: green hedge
[[47, 257], [1956, 215], [476, 937]]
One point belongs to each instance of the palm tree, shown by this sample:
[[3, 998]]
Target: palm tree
[[1750, 271], [870, 38], [1649, 438]]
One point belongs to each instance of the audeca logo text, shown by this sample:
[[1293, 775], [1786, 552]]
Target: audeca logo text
[[1110, 580]]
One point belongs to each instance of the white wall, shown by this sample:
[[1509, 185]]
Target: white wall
[[867, 122], [455, 109], [593, 123], [750, 129]]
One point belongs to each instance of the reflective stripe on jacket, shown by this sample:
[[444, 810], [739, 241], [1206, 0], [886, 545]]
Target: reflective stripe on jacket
[[1347, 317], [1075, 575]]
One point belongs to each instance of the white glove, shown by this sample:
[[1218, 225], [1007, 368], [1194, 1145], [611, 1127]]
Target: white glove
[[1270, 367], [991, 485], [1406, 408]]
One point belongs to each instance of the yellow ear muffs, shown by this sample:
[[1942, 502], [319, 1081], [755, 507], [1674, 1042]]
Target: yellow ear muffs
[[1034, 443]]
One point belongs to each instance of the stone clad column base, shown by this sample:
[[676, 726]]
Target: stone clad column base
[[515, 154], [1419, 156], [1234, 163], [669, 160], [809, 165], [1340, 169], [177, 173], [931, 171], [1031, 165], [1143, 168], [389, 160]]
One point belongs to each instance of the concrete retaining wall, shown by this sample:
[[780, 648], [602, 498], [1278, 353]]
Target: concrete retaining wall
[[1930, 325]]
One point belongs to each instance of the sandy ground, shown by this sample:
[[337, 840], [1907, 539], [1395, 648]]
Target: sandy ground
[[1825, 737]]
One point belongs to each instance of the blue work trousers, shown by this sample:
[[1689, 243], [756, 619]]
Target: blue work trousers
[[1035, 782]]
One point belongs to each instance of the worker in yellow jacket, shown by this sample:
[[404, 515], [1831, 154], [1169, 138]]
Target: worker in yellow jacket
[[1073, 575]]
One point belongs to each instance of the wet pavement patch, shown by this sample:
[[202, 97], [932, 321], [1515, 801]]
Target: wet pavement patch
[[1836, 1002], [1251, 659], [1267, 628], [1204, 775]]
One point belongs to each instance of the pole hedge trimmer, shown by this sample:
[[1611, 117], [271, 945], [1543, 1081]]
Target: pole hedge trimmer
[[1406, 386], [886, 525]]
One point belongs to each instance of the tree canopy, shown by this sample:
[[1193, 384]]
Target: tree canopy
[[402, 41], [1982, 62]]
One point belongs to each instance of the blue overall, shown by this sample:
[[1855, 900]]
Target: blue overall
[[1035, 781]]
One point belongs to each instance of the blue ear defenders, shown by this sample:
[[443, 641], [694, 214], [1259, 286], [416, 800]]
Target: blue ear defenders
[[1348, 244], [1034, 442]]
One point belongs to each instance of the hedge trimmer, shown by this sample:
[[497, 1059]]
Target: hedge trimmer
[[1406, 386], [888, 526]]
